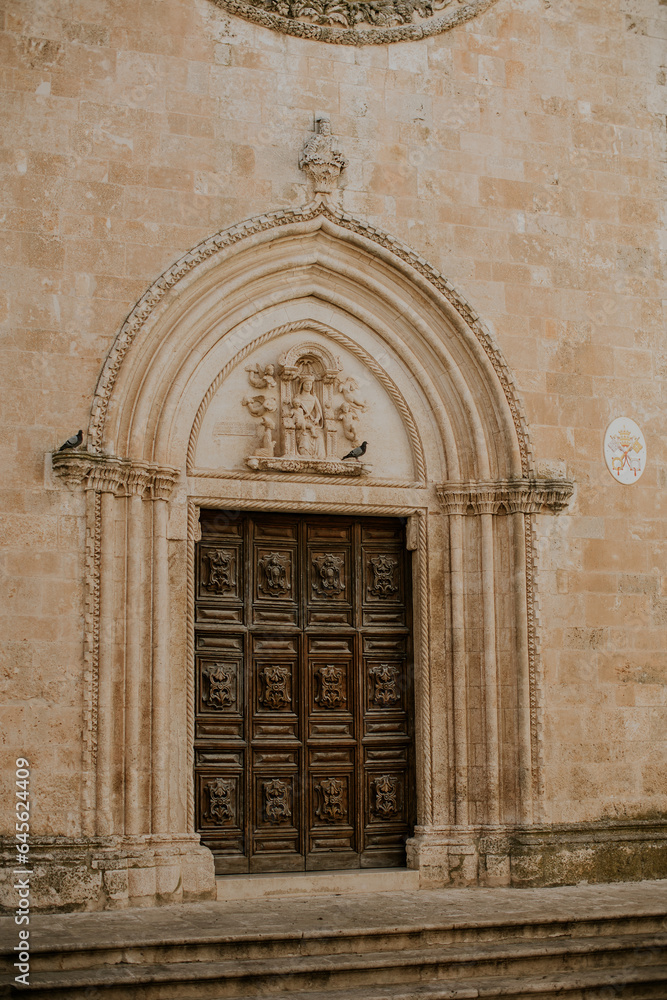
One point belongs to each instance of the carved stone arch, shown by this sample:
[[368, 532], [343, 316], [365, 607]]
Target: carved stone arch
[[362, 267], [470, 502]]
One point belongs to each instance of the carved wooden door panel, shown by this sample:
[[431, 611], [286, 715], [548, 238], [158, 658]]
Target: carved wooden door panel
[[303, 678]]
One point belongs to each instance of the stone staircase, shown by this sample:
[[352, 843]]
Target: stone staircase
[[579, 942]]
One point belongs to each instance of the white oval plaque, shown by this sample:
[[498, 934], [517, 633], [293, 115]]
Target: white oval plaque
[[625, 450]]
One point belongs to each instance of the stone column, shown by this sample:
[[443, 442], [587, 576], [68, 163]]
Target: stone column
[[105, 481], [490, 672], [160, 666], [459, 670], [135, 806], [523, 669]]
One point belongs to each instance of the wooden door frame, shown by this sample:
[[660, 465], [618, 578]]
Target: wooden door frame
[[416, 542]]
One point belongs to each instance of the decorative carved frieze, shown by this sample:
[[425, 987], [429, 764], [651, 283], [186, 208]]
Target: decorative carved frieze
[[386, 690], [526, 496], [277, 801], [351, 22], [385, 797], [108, 474], [320, 160], [384, 575], [305, 401], [331, 693]]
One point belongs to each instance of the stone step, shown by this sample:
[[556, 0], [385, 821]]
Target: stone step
[[523, 960], [202, 942], [231, 888]]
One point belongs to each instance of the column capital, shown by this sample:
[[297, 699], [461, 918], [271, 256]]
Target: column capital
[[506, 496], [109, 474]]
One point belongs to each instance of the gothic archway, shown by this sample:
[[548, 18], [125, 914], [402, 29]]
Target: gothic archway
[[462, 474]]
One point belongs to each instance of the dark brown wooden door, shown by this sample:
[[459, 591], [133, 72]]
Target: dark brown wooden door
[[303, 728]]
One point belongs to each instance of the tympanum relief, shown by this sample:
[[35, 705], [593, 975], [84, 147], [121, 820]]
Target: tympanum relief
[[305, 401], [294, 406]]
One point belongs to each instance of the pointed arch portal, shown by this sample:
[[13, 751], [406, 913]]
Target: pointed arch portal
[[195, 409]]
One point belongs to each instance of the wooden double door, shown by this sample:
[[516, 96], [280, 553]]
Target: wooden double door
[[304, 746]]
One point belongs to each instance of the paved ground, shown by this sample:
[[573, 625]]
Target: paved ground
[[433, 907]]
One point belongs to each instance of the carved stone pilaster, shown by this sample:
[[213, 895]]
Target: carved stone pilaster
[[510, 496], [108, 474]]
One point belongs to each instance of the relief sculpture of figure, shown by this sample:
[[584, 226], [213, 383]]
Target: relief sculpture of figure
[[349, 418], [308, 421]]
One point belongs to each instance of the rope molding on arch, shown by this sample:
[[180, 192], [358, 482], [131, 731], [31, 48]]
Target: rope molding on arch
[[225, 239], [338, 338]]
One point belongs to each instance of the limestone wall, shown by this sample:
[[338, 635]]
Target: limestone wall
[[521, 153]]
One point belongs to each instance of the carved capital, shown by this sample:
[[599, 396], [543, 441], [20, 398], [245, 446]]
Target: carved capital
[[73, 467], [108, 474], [510, 496]]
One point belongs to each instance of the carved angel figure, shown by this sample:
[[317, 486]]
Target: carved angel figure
[[348, 388], [261, 378], [259, 405], [349, 418]]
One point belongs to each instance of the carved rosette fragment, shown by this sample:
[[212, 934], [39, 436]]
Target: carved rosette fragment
[[526, 496]]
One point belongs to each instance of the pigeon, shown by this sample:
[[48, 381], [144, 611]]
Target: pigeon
[[356, 452], [72, 442]]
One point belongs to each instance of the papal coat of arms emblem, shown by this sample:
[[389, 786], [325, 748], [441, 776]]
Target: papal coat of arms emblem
[[625, 450]]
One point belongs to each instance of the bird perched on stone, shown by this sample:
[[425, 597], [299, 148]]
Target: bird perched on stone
[[356, 452], [72, 442]]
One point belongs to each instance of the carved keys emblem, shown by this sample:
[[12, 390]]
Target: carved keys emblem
[[221, 571], [331, 692], [386, 797], [332, 805], [328, 577], [384, 574], [220, 800], [385, 684], [220, 693], [277, 801], [274, 570], [276, 687]]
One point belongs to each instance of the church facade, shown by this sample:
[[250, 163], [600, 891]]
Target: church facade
[[358, 562]]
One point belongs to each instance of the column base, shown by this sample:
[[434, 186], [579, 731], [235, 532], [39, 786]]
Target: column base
[[540, 855], [105, 873]]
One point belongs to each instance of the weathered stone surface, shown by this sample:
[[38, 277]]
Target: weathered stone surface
[[494, 249]]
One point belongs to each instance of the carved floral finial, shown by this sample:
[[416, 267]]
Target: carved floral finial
[[320, 160]]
